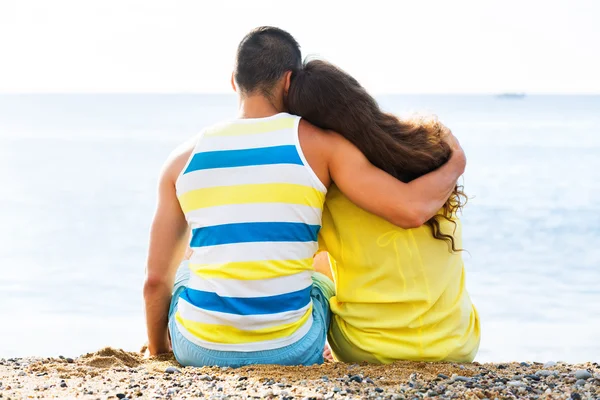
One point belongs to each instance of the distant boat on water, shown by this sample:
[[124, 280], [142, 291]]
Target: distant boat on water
[[511, 96]]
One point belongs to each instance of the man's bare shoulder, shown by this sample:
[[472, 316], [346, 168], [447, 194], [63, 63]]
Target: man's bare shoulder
[[314, 136], [178, 158]]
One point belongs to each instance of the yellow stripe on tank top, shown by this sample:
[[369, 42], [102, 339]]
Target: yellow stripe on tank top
[[252, 270], [240, 129], [230, 335], [254, 193]]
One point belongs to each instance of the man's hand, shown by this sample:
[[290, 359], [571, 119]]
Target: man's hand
[[458, 155]]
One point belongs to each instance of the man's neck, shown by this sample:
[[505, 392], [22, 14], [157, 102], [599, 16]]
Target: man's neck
[[257, 106]]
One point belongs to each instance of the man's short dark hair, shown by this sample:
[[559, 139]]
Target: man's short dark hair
[[263, 57]]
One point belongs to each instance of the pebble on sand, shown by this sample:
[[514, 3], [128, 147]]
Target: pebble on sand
[[461, 379], [516, 384], [580, 382], [582, 374]]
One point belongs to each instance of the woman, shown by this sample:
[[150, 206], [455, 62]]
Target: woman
[[400, 294]]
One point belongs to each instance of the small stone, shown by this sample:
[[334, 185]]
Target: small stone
[[283, 393], [336, 390], [22, 374], [42, 374], [120, 396], [242, 378], [580, 382], [462, 379], [369, 380], [205, 378], [70, 360], [172, 370], [379, 390], [61, 357], [268, 393], [328, 396], [443, 376], [63, 384], [533, 377], [543, 372], [524, 364], [575, 396], [356, 378], [516, 384], [325, 378], [550, 364], [582, 374]]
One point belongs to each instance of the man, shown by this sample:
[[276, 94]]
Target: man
[[252, 191]]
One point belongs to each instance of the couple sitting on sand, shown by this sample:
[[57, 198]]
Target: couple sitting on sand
[[311, 165]]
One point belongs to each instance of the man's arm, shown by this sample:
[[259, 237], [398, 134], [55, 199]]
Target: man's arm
[[168, 240], [408, 205]]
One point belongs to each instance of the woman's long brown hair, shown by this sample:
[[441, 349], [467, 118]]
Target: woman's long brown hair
[[331, 99]]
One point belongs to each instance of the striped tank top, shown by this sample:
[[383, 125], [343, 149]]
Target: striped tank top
[[254, 206]]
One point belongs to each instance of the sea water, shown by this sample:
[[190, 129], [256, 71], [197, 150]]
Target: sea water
[[78, 189]]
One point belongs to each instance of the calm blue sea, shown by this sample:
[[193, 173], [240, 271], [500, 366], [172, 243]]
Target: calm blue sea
[[77, 193]]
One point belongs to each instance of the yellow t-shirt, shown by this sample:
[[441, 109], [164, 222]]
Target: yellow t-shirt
[[400, 293]]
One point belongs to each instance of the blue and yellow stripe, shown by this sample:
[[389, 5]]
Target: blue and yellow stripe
[[244, 158]]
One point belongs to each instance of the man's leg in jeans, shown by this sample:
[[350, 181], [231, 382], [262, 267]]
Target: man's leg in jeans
[[182, 277], [323, 290]]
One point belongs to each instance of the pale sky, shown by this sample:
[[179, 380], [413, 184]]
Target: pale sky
[[176, 46]]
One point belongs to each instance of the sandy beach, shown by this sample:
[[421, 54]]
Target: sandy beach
[[116, 374]]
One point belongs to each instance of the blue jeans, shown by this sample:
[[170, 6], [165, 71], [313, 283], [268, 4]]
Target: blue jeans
[[306, 351]]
